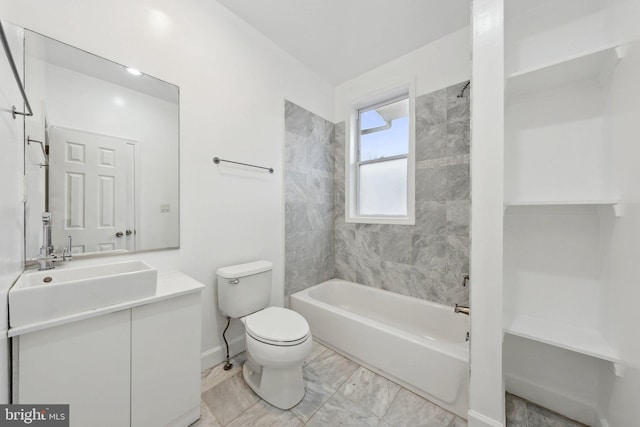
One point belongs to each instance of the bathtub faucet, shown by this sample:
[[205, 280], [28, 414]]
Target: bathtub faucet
[[462, 309]]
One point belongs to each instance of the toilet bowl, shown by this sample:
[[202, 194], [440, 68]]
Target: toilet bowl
[[278, 341]]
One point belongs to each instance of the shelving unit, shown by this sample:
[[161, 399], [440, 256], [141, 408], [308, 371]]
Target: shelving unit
[[557, 179], [586, 341], [587, 66]]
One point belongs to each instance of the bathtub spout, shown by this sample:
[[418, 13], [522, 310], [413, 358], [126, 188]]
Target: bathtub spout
[[462, 309]]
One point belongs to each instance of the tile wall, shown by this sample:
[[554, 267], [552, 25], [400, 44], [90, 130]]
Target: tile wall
[[429, 259], [309, 199], [426, 260]]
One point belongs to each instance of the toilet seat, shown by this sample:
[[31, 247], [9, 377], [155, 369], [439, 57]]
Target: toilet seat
[[277, 326]]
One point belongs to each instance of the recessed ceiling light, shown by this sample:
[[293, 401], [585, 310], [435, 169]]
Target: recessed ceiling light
[[134, 71]]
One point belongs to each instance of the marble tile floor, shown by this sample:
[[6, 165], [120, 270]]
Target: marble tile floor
[[339, 393]]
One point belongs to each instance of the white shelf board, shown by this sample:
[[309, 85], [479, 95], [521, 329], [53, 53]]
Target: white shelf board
[[583, 67], [561, 202], [580, 340]]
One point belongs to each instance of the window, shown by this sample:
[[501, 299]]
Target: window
[[383, 147], [380, 180]]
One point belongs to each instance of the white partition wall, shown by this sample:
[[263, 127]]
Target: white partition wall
[[486, 394]]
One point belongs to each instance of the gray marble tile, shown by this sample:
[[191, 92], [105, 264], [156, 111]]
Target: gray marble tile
[[445, 161], [429, 252], [458, 254], [230, 398], [370, 391], [295, 187], [458, 422], [206, 417], [458, 137], [263, 414], [339, 149], [435, 286], [316, 350], [458, 182], [431, 184], [537, 416], [296, 217], [316, 216], [458, 108], [396, 277], [411, 410], [431, 140], [317, 392], [320, 155], [332, 368], [295, 152], [458, 217], [297, 120], [367, 241], [214, 376], [431, 217], [346, 268], [296, 261], [319, 187], [395, 243], [452, 291], [339, 201], [340, 411], [516, 411], [432, 107], [368, 271]]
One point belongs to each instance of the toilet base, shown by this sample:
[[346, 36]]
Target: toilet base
[[281, 387]]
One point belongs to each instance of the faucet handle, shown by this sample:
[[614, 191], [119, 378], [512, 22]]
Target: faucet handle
[[465, 280], [67, 254]]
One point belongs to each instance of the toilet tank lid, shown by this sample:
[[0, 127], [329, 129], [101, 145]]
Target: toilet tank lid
[[242, 270]]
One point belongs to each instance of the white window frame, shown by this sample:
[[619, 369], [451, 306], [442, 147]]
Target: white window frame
[[352, 143]]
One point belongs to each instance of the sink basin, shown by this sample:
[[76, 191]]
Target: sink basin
[[45, 295]]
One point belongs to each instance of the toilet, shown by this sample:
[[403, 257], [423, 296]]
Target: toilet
[[278, 339]]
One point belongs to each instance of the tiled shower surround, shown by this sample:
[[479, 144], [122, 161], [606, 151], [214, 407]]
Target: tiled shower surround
[[426, 260], [309, 209]]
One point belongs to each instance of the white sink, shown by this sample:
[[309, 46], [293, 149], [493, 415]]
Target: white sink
[[45, 295]]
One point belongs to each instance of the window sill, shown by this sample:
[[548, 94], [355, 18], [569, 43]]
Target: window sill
[[399, 220]]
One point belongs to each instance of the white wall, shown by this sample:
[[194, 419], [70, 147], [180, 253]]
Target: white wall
[[486, 390], [11, 193], [233, 82], [434, 66], [78, 101], [619, 396]]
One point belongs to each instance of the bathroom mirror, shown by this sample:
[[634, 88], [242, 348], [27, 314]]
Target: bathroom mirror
[[101, 153]]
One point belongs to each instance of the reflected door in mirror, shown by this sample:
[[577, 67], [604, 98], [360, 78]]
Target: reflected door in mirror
[[91, 184]]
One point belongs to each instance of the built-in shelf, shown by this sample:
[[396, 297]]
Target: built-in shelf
[[615, 204], [583, 67], [562, 202], [580, 340]]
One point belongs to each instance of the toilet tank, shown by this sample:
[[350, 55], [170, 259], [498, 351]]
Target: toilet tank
[[244, 288]]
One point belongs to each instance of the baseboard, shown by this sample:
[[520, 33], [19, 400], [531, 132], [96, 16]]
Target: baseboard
[[476, 419], [215, 355], [555, 400]]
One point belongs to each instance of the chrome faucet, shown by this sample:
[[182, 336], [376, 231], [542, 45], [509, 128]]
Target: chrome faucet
[[45, 258], [462, 309]]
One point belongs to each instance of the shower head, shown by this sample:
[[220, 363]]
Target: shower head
[[461, 94]]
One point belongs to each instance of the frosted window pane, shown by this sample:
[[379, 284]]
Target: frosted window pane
[[383, 188]]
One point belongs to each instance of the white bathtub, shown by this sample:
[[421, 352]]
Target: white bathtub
[[416, 343]]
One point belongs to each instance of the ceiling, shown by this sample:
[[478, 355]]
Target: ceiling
[[341, 39]]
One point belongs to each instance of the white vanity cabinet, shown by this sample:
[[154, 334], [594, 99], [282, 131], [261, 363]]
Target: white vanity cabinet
[[135, 364]]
